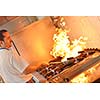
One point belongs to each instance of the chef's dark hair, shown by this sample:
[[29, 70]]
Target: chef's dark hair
[[1, 34]]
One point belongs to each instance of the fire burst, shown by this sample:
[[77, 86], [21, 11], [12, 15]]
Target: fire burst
[[65, 48]]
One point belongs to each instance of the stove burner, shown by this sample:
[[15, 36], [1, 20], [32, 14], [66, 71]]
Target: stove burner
[[55, 66]]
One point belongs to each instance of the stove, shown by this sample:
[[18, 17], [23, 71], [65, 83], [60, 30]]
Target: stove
[[68, 71]]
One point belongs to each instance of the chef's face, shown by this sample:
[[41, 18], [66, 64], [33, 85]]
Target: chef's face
[[7, 39]]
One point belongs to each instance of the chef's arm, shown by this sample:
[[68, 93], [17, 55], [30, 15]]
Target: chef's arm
[[30, 69]]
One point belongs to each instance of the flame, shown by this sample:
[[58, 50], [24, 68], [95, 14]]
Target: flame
[[84, 77], [61, 44], [80, 79], [65, 48]]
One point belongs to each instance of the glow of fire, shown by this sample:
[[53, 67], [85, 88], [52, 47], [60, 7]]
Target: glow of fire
[[64, 48], [80, 79], [83, 77]]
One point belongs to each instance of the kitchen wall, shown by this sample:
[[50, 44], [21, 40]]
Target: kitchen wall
[[35, 41], [88, 26]]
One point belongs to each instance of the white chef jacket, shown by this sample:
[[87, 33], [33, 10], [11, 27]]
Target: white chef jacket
[[12, 66]]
